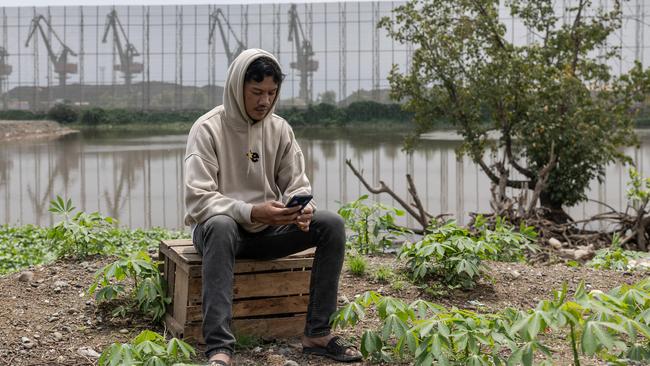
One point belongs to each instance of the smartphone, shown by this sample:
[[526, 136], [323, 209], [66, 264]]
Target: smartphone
[[299, 200]]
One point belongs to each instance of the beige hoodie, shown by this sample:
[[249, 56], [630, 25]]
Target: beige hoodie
[[219, 178]]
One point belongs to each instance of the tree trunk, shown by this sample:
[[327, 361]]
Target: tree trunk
[[555, 212]]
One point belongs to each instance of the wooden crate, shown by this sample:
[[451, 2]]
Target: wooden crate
[[270, 298]]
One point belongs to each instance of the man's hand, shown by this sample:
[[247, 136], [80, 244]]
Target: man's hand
[[274, 213], [304, 219]]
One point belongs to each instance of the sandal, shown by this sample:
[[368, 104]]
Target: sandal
[[335, 349]]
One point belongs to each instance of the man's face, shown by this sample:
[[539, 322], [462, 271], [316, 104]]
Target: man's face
[[259, 97]]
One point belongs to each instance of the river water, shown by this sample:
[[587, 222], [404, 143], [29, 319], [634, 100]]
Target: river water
[[138, 178]]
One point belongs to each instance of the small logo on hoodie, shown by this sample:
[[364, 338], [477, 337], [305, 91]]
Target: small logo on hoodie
[[253, 156]]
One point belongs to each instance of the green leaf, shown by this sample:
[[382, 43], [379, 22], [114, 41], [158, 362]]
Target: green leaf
[[370, 343]]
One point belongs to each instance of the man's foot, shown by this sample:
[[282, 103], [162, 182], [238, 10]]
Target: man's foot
[[331, 346], [219, 359]]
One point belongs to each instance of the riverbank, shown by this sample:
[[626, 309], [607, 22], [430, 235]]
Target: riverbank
[[20, 130]]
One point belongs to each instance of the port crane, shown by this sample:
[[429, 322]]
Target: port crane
[[305, 64], [126, 50], [60, 61], [216, 19]]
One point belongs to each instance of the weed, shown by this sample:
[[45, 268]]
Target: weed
[[383, 274], [357, 265]]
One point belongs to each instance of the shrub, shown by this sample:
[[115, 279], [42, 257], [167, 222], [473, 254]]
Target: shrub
[[93, 116], [21, 115], [63, 113]]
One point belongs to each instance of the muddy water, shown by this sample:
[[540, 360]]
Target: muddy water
[[137, 179]]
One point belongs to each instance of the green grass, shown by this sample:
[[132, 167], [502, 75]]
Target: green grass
[[357, 265]]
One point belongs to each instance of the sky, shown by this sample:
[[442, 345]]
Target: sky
[[146, 2]]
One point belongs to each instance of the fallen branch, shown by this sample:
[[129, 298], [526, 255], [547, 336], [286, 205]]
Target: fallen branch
[[420, 215]]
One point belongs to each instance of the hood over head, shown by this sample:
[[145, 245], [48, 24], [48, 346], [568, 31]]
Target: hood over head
[[233, 96]]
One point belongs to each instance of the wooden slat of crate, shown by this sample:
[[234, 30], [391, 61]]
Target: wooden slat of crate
[[267, 328], [183, 253], [258, 285], [257, 307], [270, 328], [181, 291]]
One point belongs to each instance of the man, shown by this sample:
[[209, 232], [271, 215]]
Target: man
[[242, 163]]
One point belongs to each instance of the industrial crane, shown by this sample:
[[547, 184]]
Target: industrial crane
[[215, 21], [60, 62], [127, 66], [305, 64]]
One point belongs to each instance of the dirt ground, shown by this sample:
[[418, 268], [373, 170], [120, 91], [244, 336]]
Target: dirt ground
[[50, 320], [20, 130]]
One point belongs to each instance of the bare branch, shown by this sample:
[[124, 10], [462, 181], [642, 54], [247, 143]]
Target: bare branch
[[541, 180], [575, 37], [526, 172], [414, 193], [521, 184], [383, 188]]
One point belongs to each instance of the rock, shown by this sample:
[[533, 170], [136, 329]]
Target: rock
[[66, 328], [514, 274], [57, 336], [124, 331], [27, 343], [291, 363], [583, 254], [26, 276], [53, 319], [641, 263], [72, 311], [60, 284], [57, 290], [88, 352], [556, 244], [284, 351]]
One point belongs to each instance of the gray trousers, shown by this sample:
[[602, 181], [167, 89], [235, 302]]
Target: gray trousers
[[219, 240]]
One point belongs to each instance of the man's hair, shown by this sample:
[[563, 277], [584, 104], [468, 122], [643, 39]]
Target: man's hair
[[262, 67]]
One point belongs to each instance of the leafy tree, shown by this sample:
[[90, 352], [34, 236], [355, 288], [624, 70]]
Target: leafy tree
[[553, 102]]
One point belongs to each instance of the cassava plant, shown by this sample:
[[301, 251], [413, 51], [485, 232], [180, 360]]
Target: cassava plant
[[455, 256], [149, 294], [613, 326], [148, 349], [373, 226], [79, 234]]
